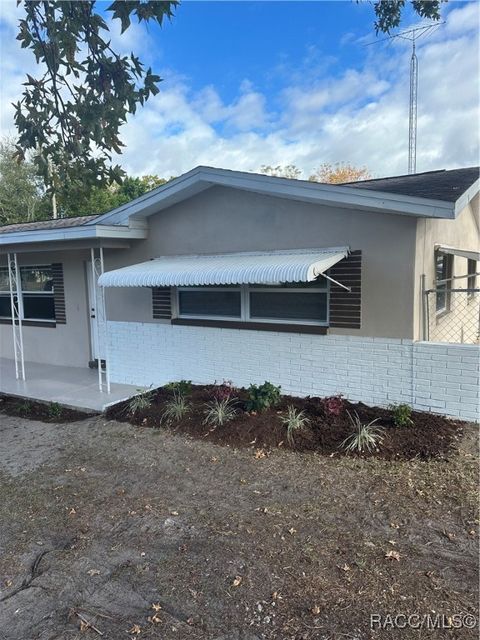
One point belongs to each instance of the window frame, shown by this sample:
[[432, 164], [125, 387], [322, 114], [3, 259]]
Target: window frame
[[444, 283], [471, 277], [21, 293], [245, 290]]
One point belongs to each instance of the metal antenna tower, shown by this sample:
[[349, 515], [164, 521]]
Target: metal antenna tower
[[413, 35]]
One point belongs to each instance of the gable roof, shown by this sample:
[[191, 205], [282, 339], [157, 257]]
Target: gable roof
[[447, 185], [353, 196]]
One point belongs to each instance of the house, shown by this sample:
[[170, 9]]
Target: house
[[367, 289]]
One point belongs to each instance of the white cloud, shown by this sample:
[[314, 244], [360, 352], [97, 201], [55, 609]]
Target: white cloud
[[360, 116]]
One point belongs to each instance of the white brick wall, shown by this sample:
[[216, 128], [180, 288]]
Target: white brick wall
[[438, 377]]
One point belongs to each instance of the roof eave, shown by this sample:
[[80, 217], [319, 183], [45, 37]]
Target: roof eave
[[202, 178], [467, 196], [73, 233]]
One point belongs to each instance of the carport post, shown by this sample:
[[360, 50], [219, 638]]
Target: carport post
[[16, 305], [100, 316]]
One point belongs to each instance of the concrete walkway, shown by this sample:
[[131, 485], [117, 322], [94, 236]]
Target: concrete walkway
[[75, 387]]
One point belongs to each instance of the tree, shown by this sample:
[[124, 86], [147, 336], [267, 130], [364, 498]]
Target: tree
[[389, 12], [21, 190], [339, 172], [70, 114], [281, 171]]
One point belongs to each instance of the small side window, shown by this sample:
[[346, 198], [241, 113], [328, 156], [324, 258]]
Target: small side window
[[443, 281], [472, 277]]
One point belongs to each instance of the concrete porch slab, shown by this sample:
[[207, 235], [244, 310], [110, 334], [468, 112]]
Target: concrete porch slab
[[74, 387]]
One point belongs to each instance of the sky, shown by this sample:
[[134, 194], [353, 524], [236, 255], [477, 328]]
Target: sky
[[247, 84]]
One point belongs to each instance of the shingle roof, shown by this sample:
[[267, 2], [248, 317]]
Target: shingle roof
[[59, 223], [447, 184]]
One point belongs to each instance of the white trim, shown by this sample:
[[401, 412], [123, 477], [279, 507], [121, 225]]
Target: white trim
[[84, 231], [467, 196], [202, 178]]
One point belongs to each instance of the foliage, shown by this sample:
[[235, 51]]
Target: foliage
[[294, 421], [24, 408], [20, 189], [70, 114], [401, 414], [176, 408], [140, 402], [281, 171], [366, 437], [219, 412], [389, 12], [261, 397], [54, 410], [334, 405], [223, 391], [183, 387], [339, 172]]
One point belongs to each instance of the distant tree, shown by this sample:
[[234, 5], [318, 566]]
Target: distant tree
[[389, 12], [338, 173], [70, 114], [21, 190], [281, 171]]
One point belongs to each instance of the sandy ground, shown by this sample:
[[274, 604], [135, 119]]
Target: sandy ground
[[107, 530]]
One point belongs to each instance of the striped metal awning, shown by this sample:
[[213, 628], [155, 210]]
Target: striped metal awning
[[268, 267], [455, 251]]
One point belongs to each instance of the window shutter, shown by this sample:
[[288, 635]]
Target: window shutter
[[59, 293], [345, 306], [161, 303]]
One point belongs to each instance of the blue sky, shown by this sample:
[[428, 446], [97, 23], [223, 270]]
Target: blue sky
[[252, 83]]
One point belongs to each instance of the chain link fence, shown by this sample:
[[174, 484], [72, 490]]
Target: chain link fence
[[452, 315]]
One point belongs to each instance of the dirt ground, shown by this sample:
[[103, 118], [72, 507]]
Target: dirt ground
[[113, 531]]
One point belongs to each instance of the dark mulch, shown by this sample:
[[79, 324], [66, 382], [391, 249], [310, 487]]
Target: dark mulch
[[430, 435], [45, 412]]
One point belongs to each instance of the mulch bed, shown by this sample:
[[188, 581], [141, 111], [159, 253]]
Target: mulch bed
[[42, 411], [430, 435]]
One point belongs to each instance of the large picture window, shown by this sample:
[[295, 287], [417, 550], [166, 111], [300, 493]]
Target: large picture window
[[443, 277], [294, 303], [36, 301]]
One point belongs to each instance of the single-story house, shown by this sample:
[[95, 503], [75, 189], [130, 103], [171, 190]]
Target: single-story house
[[321, 288]]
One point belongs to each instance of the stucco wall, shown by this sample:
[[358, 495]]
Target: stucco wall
[[462, 233], [226, 220], [67, 344]]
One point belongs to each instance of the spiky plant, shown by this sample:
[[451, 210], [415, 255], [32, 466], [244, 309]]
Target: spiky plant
[[219, 411], [140, 402], [176, 408], [366, 437], [294, 420]]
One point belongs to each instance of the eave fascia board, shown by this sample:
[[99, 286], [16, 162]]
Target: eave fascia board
[[73, 233], [201, 178], [467, 197]]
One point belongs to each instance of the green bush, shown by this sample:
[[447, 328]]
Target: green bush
[[401, 414], [54, 410], [183, 387], [263, 396]]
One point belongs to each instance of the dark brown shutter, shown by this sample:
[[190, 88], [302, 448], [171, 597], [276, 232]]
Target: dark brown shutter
[[161, 303], [345, 306], [59, 293]]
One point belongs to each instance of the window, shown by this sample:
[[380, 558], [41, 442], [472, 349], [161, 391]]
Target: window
[[297, 303], [443, 281], [472, 276], [36, 301]]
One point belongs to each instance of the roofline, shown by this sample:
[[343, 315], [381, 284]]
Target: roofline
[[467, 196], [73, 233], [201, 178]]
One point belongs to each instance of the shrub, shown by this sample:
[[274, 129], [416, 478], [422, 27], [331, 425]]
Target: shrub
[[219, 412], [401, 414], [183, 387], [261, 397], [140, 402], [223, 391], [366, 437], [294, 420], [176, 408], [54, 410], [24, 408], [334, 405]]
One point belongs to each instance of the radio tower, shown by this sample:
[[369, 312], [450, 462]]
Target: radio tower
[[413, 35]]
